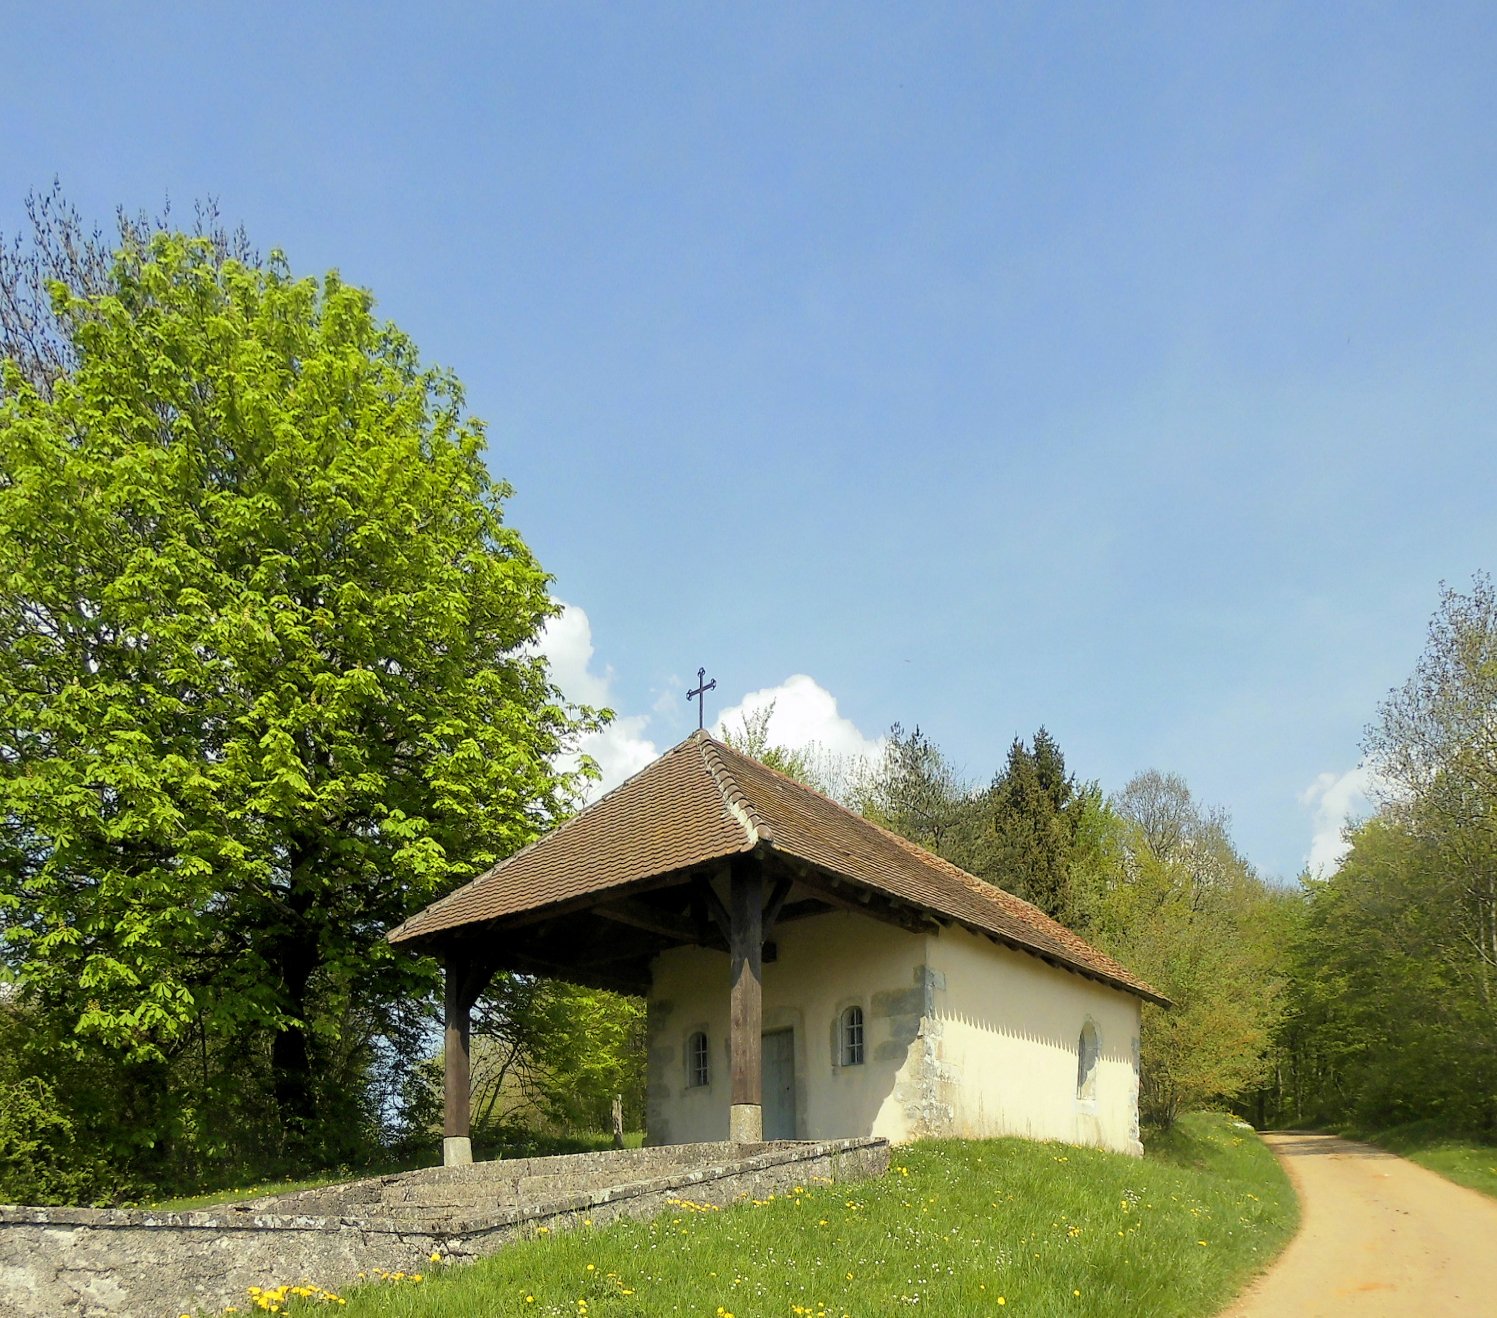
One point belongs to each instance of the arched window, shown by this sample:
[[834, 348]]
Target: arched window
[[850, 1037], [1087, 1052], [697, 1073]]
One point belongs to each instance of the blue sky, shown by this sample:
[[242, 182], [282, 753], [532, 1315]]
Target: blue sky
[[1127, 370]]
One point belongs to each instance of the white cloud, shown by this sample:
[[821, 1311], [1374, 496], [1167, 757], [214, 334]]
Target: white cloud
[[804, 712], [621, 749], [1335, 800], [567, 642]]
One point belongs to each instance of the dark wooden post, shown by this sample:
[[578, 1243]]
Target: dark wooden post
[[457, 1144], [746, 1022]]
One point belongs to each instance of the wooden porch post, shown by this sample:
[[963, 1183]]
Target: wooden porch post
[[746, 1027], [457, 1145]]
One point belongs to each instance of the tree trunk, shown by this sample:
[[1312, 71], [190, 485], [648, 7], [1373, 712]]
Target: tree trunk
[[290, 1056]]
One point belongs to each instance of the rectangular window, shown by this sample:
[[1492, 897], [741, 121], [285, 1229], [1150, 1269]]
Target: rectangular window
[[852, 1037], [696, 1061]]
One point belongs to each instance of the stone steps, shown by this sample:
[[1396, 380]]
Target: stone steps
[[496, 1186]]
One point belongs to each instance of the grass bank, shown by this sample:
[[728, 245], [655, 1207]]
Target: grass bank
[[956, 1228], [1465, 1161]]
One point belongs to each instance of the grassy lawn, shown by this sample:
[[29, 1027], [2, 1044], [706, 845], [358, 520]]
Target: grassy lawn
[[1461, 1160], [955, 1228]]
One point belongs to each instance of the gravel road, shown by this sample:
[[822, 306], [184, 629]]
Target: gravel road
[[1379, 1235]]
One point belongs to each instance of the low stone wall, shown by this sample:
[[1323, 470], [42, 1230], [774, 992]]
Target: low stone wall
[[84, 1262]]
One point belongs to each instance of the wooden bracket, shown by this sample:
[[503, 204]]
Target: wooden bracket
[[715, 908], [775, 904]]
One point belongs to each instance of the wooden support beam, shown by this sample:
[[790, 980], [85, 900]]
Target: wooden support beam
[[480, 972], [590, 899], [875, 905], [636, 915], [793, 911], [457, 1146], [586, 942], [746, 1010], [617, 978]]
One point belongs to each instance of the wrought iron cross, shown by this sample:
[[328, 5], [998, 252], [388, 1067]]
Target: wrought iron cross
[[700, 694]]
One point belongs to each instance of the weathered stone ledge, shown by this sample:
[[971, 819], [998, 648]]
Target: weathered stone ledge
[[137, 1263]]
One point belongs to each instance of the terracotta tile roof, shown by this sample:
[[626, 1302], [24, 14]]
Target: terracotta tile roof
[[702, 801]]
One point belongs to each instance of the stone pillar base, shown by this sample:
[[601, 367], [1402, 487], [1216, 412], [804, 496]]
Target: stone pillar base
[[746, 1123], [457, 1151]]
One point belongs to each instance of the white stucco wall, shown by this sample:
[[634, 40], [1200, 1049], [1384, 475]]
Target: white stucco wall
[[1006, 1033], [825, 964], [962, 1037]]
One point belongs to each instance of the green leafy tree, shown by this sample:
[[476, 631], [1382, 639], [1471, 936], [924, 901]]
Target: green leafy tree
[[1435, 746], [268, 676], [551, 1054], [1184, 910], [1034, 831], [1393, 1014], [57, 246], [43, 1160], [751, 737], [1396, 985], [1390, 1022]]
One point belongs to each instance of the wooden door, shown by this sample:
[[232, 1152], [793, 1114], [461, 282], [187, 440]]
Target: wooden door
[[779, 1085]]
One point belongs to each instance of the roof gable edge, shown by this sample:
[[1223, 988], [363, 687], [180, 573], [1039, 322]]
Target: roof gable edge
[[755, 827]]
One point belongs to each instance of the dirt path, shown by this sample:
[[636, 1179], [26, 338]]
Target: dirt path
[[1379, 1235]]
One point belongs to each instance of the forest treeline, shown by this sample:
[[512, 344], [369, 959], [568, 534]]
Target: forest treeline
[[270, 682]]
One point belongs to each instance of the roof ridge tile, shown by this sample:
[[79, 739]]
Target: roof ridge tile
[[734, 797]]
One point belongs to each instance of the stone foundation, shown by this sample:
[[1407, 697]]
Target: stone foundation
[[129, 1263]]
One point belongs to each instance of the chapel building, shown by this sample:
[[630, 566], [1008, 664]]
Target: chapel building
[[808, 974]]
